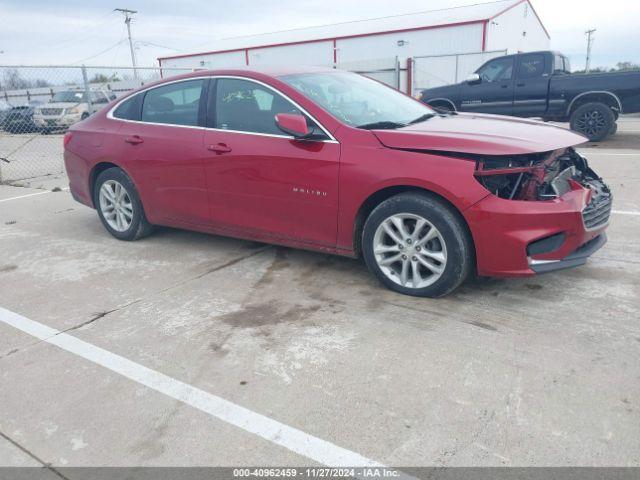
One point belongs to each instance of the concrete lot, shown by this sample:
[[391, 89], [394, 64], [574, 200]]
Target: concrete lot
[[542, 371]]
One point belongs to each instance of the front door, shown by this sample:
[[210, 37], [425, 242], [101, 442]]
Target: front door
[[494, 92], [260, 180], [532, 85]]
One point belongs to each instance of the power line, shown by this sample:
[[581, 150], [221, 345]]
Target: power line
[[151, 44], [89, 31], [127, 20], [115, 54], [100, 52]]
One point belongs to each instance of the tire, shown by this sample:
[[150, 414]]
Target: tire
[[593, 120], [450, 256], [614, 129], [84, 116], [131, 223]]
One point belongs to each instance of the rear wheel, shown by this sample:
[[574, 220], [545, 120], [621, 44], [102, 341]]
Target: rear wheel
[[416, 245], [594, 120], [119, 207]]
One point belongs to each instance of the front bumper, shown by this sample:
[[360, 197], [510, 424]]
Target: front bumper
[[503, 229], [577, 258], [58, 121]]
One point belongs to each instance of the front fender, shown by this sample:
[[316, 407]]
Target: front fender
[[382, 168]]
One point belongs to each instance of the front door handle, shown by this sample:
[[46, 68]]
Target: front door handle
[[521, 84], [219, 148], [134, 140]]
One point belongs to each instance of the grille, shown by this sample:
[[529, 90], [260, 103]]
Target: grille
[[597, 212], [51, 111]]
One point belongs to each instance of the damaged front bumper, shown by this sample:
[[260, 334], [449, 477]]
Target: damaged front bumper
[[525, 237], [575, 259]]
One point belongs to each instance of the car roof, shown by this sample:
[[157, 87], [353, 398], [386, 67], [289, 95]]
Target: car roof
[[270, 71]]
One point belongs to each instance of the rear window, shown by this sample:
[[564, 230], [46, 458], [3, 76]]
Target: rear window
[[531, 66]]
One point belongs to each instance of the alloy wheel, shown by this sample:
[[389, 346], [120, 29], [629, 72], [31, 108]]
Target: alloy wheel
[[116, 205], [591, 123], [410, 250]]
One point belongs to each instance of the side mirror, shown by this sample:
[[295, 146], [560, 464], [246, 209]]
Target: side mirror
[[293, 124], [473, 79]]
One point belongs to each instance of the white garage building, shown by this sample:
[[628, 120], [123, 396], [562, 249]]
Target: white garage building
[[408, 51]]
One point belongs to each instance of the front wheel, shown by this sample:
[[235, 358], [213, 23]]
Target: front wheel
[[119, 207], [594, 120], [417, 245]]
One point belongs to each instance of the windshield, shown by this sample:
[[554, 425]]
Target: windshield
[[359, 101], [68, 97]]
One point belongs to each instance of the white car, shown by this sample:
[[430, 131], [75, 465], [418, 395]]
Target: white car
[[69, 107]]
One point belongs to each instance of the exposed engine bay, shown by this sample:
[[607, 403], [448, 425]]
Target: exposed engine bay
[[539, 176]]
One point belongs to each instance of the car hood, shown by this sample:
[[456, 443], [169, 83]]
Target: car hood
[[479, 134]]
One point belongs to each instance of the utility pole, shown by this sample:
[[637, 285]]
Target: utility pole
[[589, 34], [127, 20]]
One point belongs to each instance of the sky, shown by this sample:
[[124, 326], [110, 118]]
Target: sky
[[75, 32]]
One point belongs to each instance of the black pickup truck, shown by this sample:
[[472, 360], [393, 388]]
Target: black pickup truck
[[540, 84]]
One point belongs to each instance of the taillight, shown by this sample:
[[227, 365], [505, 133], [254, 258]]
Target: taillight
[[66, 139]]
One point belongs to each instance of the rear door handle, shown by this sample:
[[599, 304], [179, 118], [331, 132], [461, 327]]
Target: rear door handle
[[504, 86], [521, 84], [134, 140], [219, 148]]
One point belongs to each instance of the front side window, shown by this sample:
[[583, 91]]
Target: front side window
[[358, 101], [99, 97], [174, 104], [531, 66], [499, 70], [247, 106]]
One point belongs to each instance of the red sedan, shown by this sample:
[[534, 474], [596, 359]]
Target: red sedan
[[333, 161]]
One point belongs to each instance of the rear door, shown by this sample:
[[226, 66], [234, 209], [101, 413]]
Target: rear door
[[494, 92], [260, 180], [532, 85], [162, 151]]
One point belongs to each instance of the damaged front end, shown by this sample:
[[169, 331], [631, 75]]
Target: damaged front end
[[546, 176]]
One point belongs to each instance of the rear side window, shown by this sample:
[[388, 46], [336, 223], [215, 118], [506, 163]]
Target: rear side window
[[531, 66], [174, 104], [129, 109]]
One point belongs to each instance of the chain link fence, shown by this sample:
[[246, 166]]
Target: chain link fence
[[431, 71], [39, 104]]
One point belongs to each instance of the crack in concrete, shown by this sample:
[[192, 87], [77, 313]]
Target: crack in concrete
[[101, 315], [46, 465], [93, 319]]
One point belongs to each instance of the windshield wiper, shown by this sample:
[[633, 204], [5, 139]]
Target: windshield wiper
[[422, 118], [384, 125]]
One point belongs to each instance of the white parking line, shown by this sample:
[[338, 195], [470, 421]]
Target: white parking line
[[30, 195], [625, 212], [271, 430]]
